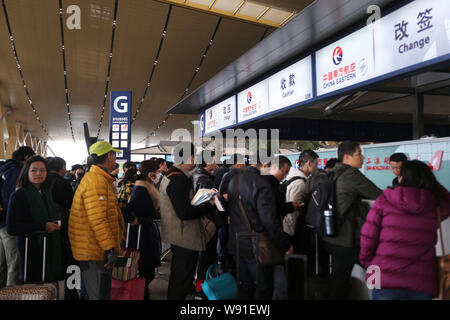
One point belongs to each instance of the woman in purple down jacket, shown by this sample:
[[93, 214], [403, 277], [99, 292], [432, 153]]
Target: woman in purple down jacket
[[399, 235]]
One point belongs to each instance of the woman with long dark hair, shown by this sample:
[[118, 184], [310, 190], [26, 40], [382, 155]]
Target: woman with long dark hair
[[31, 214], [126, 187], [141, 210], [399, 236]]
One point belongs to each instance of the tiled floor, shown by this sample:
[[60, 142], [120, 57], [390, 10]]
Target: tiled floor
[[158, 287]]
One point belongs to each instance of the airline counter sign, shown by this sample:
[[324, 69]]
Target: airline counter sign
[[221, 115], [291, 85], [346, 62], [120, 123], [416, 33], [253, 102]]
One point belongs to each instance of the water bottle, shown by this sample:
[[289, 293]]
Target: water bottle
[[329, 223]]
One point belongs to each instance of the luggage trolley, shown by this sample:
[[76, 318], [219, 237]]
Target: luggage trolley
[[164, 252]]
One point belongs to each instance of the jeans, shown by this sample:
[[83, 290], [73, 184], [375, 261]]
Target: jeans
[[9, 259], [399, 294], [97, 279], [279, 283], [249, 288]]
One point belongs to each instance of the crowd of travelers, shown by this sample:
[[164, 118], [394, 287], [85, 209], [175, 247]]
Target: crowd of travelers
[[86, 214]]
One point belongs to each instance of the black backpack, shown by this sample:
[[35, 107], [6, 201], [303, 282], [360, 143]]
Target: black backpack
[[285, 184], [322, 198]]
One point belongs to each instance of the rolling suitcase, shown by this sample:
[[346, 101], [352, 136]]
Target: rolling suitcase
[[296, 266], [39, 291], [126, 284]]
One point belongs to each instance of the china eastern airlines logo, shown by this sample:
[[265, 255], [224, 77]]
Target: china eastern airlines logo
[[337, 55], [249, 97]]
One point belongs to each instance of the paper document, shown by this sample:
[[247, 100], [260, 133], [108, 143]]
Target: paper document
[[202, 196]]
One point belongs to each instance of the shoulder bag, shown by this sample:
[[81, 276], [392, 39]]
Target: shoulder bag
[[266, 251]]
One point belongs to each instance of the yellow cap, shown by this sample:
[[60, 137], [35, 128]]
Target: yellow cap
[[101, 148]]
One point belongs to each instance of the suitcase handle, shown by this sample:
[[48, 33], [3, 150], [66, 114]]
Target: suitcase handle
[[128, 235], [44, 249]]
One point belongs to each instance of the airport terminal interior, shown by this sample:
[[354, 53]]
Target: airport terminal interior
[[137, 77]]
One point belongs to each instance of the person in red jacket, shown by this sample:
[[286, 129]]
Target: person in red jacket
[[399, 235]]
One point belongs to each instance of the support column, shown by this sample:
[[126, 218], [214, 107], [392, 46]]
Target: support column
[[418, 115], [2, 138], [12, 136]]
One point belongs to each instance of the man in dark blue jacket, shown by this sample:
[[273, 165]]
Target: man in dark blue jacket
[[260, 205], [9, 259]]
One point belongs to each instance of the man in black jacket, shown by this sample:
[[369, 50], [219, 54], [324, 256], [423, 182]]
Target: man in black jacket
[[62, 195], [260, 206], [203, 179], [278, 172]]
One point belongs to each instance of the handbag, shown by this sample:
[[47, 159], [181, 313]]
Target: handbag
[[443, 263], [130, 270], [264, 248], [221, 287], [209, 227]]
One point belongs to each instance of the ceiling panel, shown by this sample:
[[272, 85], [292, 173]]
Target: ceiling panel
[[252, 9], [38, 46], [140, 25], [229, 34], [87, 54], [227, 5], [276, 15], [188, 35]]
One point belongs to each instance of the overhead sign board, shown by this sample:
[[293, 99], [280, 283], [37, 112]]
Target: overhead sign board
[[253, 102], [292, 85], [346, 62], [220, 116], [120, 123], [416, 33], [404, 39]]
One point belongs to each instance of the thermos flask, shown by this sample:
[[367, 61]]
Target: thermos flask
[[329, 223]]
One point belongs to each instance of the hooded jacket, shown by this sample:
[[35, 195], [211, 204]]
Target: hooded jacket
[[9, 172], [400, 236]]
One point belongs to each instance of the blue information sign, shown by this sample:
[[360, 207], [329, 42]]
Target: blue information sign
[[120, 123]]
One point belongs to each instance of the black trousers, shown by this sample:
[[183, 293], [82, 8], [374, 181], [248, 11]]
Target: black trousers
[[148, 275], [182, 272], [343, 260], [207, 257]]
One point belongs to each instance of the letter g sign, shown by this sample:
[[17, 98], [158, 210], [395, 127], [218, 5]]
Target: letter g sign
[[121, 107]]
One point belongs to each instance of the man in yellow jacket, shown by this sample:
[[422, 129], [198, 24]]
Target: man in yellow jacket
[[96, 224]]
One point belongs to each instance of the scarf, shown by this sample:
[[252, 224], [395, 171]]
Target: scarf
[[152, 191], [42, 210]]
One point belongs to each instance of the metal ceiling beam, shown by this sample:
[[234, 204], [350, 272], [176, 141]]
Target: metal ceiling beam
[[213, 10]]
